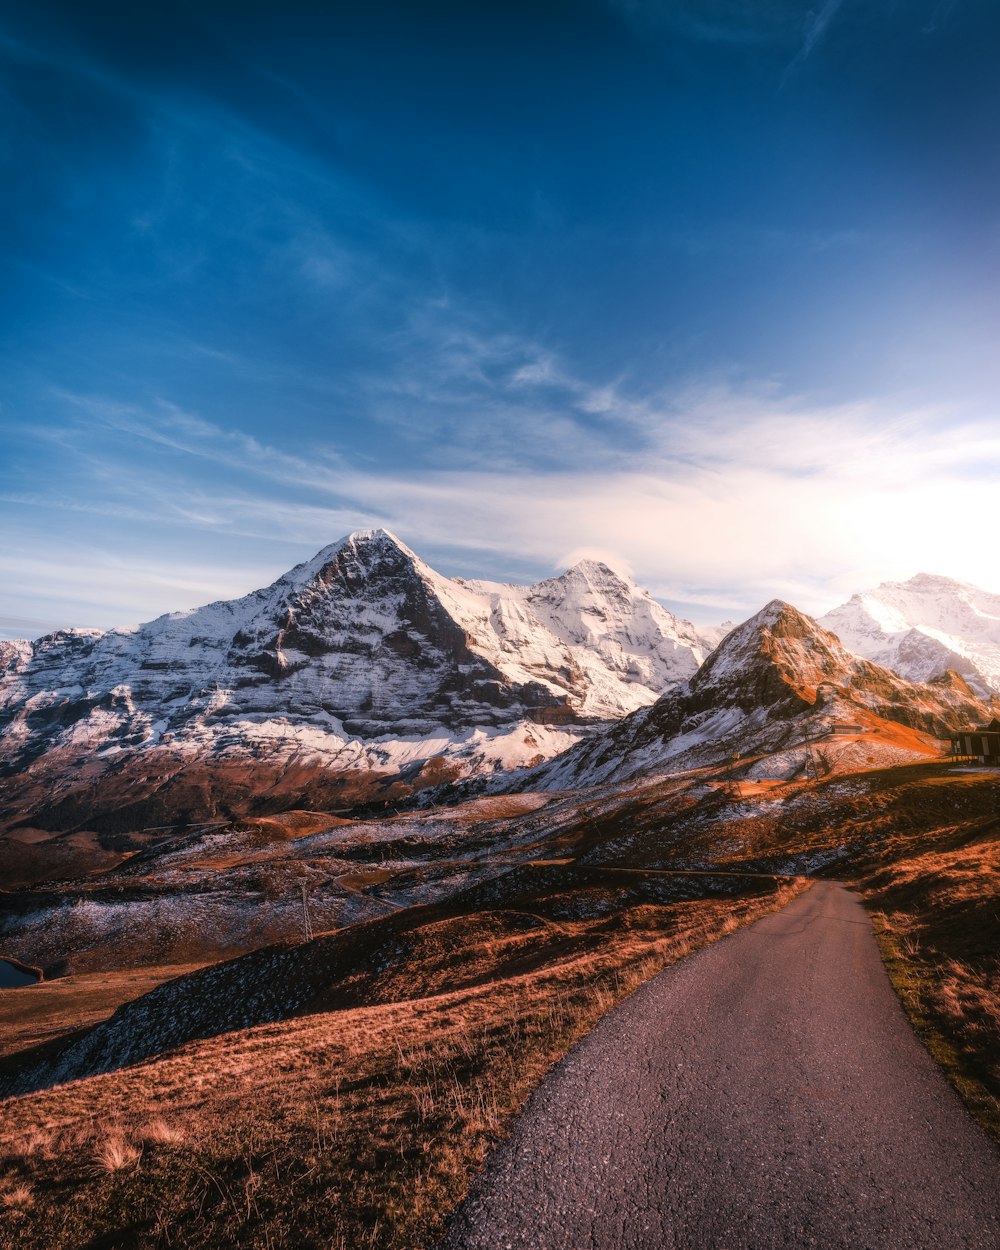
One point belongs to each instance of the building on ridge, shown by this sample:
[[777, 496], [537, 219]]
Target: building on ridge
[[982, 745]]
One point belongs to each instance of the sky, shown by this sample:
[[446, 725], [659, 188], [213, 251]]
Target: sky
[[705, 288]]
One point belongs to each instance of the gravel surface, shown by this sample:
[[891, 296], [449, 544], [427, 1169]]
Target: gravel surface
[[767, 1092]]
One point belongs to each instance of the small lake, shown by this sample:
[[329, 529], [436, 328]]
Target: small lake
[[12, 977]]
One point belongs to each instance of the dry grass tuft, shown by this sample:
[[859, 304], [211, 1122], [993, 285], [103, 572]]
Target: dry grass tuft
[[116, 1154], [15, 1197], [40, 1143], [162, 1132]]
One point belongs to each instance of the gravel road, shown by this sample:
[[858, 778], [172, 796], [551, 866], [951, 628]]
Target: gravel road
[[767, 1092]]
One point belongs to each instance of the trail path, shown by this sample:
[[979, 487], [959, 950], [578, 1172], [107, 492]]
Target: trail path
[[767, 1092]]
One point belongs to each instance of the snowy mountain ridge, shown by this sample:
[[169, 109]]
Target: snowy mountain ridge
[[362, 660], [589, 637], [923, 626], [775, 695], [362, 675]]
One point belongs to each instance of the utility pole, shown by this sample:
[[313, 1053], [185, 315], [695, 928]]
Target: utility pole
[[306, 922], [733, 786]]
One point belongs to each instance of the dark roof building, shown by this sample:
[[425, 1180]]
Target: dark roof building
[[979, 744]]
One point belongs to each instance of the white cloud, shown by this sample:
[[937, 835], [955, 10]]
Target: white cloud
[[75, 584], [713, 496]]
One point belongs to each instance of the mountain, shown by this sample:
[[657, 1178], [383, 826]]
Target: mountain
[[923, 626], [361, 672], [774, 688], [590, 631]]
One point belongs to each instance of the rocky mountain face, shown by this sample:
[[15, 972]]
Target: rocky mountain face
[[921, 627], [776, 686], [360, 671]]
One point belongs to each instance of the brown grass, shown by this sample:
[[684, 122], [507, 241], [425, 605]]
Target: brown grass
[[16, 1199], [163, 1132], [344, 1128], [937, 918], [116, 1154], [873, 816], [359, 1124]]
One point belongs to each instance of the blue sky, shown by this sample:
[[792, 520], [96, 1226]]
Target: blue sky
[[708, 287]]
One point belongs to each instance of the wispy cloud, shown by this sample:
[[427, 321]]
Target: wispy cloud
[[817, 23], [168, 426], [79, 584], [714, 495], [939, 17]]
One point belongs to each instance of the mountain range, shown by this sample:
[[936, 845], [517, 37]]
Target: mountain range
[[361, 671], [312, 878], [779, 697], [365, 676]]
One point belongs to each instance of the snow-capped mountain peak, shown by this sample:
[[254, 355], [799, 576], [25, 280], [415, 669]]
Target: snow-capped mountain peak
[[595, 625], [362, 658], [923, 626]]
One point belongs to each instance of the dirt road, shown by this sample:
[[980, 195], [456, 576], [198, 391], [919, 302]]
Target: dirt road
[[767, 1092]]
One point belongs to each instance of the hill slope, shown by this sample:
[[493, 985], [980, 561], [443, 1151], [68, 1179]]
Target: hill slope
[[774, 686]]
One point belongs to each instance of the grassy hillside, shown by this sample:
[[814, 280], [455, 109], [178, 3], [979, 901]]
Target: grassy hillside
[[341, 1091], [359, 1120]]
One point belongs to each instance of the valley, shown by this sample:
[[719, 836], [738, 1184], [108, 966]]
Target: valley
[[379, 1060], [286, 1001]]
